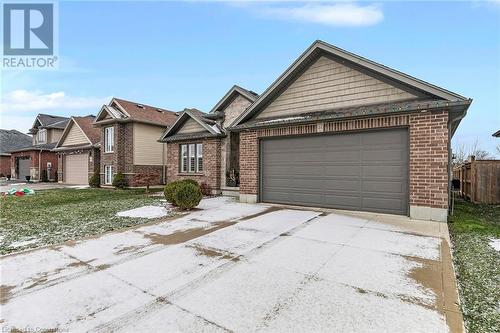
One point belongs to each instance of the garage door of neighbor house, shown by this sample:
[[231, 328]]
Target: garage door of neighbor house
[[24, 166], [356, 171], [76, 169]]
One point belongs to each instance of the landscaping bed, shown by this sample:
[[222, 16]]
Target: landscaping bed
[[53, 216], [473, 230]]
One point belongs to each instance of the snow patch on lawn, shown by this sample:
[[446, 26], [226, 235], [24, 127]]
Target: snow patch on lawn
[[19, 244], [495, 243], [147, 212]]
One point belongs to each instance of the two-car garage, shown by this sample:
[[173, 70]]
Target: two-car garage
[[366, 170]]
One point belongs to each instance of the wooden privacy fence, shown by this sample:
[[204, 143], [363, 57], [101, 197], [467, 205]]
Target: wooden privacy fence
[[479, 180]]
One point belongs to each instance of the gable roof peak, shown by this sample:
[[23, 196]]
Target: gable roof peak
[[228, 97], [319, 48]]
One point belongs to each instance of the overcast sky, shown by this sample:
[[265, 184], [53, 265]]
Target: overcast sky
[[188, 54]]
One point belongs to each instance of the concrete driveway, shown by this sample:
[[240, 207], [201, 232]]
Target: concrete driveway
[[6, 185], [239, 267]]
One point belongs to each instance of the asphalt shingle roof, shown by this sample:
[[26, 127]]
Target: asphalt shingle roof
[[12, 139]]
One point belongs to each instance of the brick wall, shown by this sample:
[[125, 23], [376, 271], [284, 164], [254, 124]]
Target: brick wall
[[122, 159], [36, 157], [428, 151], [5, 165], [211, 163], [429, 159]]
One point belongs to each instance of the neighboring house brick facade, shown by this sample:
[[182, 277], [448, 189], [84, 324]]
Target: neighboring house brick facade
[[11, 140], [46, 132], [136, 150]]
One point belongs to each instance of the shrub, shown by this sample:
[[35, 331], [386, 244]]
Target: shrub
[[2, 175], [95, 180], [191, 181], [119, 181], [44, 176], [187, 195], [56, 176], [170, 190], [145, 179], [9, 177], [206, 189]]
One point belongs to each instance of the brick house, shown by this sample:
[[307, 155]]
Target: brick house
[[129, 143], [196, 135], [10, 140], [340, 131], [78, 151], [33, 160]]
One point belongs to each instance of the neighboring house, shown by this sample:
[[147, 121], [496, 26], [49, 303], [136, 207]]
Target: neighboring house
[[196, 134], [496, 134], [340, 131], [33, 160], [78, 151], [10, 140], [129, 140]]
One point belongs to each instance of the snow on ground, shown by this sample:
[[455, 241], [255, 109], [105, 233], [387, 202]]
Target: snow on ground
[[147, 212], [285, 270], [15, 245], [495, 243]]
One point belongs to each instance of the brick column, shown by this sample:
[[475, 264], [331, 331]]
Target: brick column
[[429, 165], [249, 166]]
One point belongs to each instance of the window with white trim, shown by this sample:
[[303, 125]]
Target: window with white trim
[[184, 158], [191, 158], [199, 157], [109, 139], [42, 136], [108, 174]]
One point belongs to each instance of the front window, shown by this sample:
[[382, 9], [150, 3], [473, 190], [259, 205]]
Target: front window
[[109, 139], [42, 136], [191, 158], [108, 174], [184, 158], [199, 157]]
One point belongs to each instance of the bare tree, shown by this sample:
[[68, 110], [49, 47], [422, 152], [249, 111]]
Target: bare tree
[[462, 152]]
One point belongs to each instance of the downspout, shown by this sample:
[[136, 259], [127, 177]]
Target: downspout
[[163, 163], [39, 164]]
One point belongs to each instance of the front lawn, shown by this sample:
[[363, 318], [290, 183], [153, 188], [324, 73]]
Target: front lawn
[[54, 216], [477, 264]]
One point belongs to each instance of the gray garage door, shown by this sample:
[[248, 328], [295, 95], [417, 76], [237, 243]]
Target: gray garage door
[[24, 168], [357, 171]]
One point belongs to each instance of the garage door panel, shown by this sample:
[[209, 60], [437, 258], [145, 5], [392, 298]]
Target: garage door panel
[[379, 186], [347, 170], [76, 169], [384, 171], [359, 171], [383, 204], [390, 154]]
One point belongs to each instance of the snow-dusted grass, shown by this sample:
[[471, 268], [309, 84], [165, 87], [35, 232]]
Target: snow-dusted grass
[[54, 216], [477, 264]]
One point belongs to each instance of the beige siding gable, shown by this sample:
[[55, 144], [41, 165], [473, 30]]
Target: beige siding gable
[[234, 109], [327, 85], [53, 135], [75, 136], [191, 126], [147, 149]]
